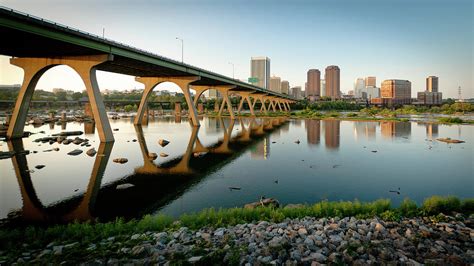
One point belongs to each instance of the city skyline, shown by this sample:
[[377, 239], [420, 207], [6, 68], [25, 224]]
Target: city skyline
[[410, 47]]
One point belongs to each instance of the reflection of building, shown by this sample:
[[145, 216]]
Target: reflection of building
[[313, 131], [285, 87], [260, 69], [333, 82], [390, 129], [431, 131], [313, 89], [213, 125], [332, 133], [261, 150], [366, 129], [275, 84]]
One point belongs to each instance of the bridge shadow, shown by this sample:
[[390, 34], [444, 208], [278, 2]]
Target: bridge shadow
[[150, 187]]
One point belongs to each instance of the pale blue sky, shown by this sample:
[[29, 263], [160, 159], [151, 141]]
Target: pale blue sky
[[403, 39]]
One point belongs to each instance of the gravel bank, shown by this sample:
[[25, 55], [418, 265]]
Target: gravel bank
[[309, 241]]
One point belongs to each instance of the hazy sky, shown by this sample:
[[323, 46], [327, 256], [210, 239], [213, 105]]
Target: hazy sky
[[404, 39]]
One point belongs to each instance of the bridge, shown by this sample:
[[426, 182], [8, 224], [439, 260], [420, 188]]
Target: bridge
[[36, 45]]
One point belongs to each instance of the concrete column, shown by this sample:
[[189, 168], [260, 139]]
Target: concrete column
[[88, 110], [246, 97], [63, 117], [200, 108], [7, 121], [224, 92], [151, 82], [34, 68], [145, 117]]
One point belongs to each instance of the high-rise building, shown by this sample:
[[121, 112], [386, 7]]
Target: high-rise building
[[359, 87], [313, 90], [275, 84], [370, 82], [296, 92], [260, 69], [396, 90], [285, 87], [432, 84], [333, 82], [323, 87]]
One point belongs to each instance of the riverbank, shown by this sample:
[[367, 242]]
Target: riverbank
[[326, 232]]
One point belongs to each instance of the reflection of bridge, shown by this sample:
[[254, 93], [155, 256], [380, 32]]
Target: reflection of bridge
[[155, 185], [51, 44]]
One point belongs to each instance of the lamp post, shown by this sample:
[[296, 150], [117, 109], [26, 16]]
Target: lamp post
[[232, 69], [182, 48]]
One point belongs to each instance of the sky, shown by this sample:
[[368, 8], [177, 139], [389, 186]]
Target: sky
[[389, 39]]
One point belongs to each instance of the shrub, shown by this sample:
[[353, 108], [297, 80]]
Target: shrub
[[408, 208], [467, 206], [438, 204], [454, 120], [352, 115]]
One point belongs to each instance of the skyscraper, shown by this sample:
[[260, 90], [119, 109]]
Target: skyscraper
[[432, 84], [333, 82], [323, 87], [313, 91], [370, 82], [260, 69], [359, 87], [275, 84], [285, 87]]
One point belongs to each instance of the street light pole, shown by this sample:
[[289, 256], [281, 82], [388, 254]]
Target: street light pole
[[182, 48], [232, 69]]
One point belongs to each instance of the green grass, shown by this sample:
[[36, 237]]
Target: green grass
[[451, 120], [84, 233]]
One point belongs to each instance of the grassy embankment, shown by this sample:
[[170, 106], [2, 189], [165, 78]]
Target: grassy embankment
[[84, 233]]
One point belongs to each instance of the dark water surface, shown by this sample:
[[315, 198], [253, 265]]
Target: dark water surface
[[335, 160]]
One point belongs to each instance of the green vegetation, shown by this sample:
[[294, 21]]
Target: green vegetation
[[91, 232], [453, 120], [413, 110], [327, 105]]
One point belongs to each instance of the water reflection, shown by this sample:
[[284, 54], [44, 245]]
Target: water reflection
[[392, 129], [332, 131], [313, 131], [151, 185], [365, 129], [34, 210]]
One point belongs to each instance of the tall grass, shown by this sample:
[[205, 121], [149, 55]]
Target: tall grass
[[93, 232]]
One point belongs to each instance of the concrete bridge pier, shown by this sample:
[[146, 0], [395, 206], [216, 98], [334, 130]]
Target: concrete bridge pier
[[259, 97], [245, 96], [183, 83], [34, 68], [224, 92]]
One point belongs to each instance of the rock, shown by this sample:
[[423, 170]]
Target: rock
[[124, 186], [152, 156], [162, 154], [163, 142], [319, 257], [58, 250], [297, 141], [75, 152], [263, 202], [296, 255], [6, 154], [40, 166], [68, 133], [302, 231], [91, 152], [116, 129], [449, 140], [55, 149], [379, 227], [120, 160], [194, 259]]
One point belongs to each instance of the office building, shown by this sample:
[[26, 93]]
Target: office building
[[432, 84], [396, 91], [275, 84], [333, 82], [285, 87], [296, 92], [359, 87], [313, 90], [260, 69], [370, 82], [323, 87], [430, 98]]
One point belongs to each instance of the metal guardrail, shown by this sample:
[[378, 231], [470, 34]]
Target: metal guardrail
[[133, 48]]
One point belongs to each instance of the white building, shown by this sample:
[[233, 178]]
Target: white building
[[260, 69]]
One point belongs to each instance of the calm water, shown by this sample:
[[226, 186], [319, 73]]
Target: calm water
[[334, 160]]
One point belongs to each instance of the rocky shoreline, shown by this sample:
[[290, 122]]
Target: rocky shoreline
[[440, 240]]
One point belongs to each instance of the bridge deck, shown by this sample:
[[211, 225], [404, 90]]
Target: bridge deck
[[28, 36]]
